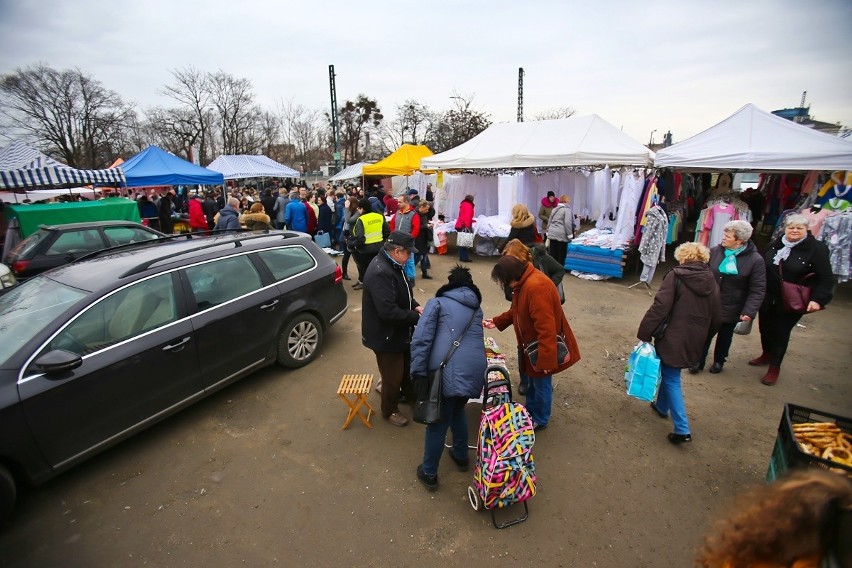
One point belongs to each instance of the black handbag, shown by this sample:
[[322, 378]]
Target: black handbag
[[660, 332], [427, 390], [563, 355]]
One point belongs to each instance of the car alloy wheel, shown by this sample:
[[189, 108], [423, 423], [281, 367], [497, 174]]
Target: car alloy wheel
[[300, 341]]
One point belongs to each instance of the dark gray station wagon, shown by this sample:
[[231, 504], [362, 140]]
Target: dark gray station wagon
[[94, 351]]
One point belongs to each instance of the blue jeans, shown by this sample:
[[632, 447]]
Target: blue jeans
[[454, 418], [464, 254], [540, 398], [670, 398]]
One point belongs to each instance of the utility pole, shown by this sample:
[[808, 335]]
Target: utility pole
[[335, 124], [520, 94]]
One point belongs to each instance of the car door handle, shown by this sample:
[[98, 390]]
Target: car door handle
[[269, 307], [176, 346]]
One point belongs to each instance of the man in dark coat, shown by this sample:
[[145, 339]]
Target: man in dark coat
[[268, 202], [229, 216], [210, 208], [389, 314]]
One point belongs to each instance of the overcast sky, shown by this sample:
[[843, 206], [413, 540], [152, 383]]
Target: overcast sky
[[679, 65]]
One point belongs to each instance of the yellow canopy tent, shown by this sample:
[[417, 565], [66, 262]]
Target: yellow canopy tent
[[403, 162]]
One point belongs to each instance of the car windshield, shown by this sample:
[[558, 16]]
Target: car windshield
[[28, 308]]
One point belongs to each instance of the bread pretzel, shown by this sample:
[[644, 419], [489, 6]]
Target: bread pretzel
[[839, 455], [824, 440]]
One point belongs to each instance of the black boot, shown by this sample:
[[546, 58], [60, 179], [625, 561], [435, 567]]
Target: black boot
[[426, 276]]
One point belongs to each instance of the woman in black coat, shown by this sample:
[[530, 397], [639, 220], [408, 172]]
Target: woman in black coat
[[741, 275], [164, 213], [523, 225], [799, 258]]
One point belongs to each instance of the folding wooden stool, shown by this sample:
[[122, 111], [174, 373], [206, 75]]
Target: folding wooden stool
[[359, 386]]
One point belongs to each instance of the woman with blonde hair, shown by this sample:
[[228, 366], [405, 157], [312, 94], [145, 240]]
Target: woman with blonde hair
[[689, 299], [798, 522], [523, 225]]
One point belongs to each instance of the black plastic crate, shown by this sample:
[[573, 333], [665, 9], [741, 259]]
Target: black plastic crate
[[786, 453]]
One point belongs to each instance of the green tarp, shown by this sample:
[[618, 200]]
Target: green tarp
[[31, 216]]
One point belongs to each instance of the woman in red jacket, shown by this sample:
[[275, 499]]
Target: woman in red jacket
[[536, 315], [197, 219], [464, 222]]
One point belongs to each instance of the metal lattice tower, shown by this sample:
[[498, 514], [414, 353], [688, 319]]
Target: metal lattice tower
[[335, 124], [520, 94]]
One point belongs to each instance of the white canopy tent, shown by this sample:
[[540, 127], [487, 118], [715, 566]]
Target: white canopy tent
[[752, 139], [577, 141], [250, 166], [349, 172]]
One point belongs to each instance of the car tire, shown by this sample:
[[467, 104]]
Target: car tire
[[8, 493], [300, 341]]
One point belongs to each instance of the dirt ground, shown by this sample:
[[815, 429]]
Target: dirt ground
[[262, 475]]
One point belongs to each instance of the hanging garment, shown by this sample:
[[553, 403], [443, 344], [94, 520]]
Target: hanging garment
[[631, 193], [837, 235], [652, 248]]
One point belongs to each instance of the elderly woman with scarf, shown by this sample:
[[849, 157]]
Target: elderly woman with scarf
[[799, 258], [741, 276]]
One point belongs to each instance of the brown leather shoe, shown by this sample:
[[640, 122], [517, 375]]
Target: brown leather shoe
[[397, 419]]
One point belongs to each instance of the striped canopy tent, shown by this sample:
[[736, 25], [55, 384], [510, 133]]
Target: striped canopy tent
[[24, 167], [250, 166]]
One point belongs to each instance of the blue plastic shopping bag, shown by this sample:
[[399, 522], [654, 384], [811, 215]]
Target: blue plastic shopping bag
[[323, 239], [642, 377]]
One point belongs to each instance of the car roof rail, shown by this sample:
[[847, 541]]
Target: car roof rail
[[236, 242], [158, 240], [139, 244]]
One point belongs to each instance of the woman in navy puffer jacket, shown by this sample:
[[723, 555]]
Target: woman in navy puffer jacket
[[444, 319]]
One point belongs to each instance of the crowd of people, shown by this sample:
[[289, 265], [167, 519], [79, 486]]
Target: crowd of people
[[704, 297]]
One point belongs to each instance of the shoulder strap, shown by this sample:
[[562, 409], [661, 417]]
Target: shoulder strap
[[457, 342]]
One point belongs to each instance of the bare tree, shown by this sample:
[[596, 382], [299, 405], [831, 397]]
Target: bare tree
[[459, 124], [555, 113], [237, 116], [68, 114], [357, 118], [270, 130], [413, 125], [307, 132], [173, 129], [190, 122]]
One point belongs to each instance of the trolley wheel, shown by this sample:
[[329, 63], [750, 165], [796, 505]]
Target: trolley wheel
[[473, 497]]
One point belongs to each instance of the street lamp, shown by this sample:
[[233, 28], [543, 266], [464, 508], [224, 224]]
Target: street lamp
[[651, 141]]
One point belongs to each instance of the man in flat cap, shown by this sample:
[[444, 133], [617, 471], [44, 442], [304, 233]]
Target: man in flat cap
[[389, 314]]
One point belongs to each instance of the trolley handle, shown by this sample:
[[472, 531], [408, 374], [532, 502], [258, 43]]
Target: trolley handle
[[493, 385]]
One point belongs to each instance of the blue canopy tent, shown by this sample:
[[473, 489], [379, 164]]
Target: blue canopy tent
[[250, 166], [153, 166], [23, 167]]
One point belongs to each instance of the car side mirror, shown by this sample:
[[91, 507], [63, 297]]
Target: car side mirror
[[58, 361]]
